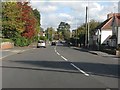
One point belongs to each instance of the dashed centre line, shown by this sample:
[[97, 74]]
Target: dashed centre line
[[58, 53], [64, 58], [79, 69], [71, 63]]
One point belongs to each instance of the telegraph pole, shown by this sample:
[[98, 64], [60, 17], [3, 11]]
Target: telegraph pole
[[86, 34], [87, 28]]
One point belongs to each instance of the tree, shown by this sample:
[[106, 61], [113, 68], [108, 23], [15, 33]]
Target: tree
[[64, 31], [11, 21], [19, 22], [93, 24], [37, 16], [49, 33], [81, 30]]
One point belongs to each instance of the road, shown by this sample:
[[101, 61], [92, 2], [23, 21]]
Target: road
[[59, 67]]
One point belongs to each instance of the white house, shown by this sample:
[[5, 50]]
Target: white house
[[104, 31], [108, 32]]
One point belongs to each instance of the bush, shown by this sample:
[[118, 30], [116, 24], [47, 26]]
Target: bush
[[21, 41]]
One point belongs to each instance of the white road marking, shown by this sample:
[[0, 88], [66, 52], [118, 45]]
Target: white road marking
[[55, 51], [58, 53], [64, 58], [72, 64], [79, 69]]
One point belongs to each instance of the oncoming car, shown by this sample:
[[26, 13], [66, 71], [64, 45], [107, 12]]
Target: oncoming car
[[41, 43], [53, 43]]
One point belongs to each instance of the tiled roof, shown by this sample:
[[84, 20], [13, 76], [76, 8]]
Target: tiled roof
[[105, 25]]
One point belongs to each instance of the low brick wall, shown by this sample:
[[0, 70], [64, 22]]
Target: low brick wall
[[6, 45]]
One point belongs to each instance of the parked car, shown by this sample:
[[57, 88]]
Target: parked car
[[41, 43], [53, 43]]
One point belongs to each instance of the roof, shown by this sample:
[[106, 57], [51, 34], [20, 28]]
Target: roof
[[106, 24], [117, 20]]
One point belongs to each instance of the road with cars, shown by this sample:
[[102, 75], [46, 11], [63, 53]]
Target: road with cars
[[59, 67]]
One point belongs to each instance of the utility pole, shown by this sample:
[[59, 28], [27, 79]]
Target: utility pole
[[86, 34], [87, 28], [76, 32]]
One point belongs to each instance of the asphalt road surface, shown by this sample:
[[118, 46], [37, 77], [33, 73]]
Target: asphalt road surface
[[59, 67]]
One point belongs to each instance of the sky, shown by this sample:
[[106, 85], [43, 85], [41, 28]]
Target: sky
[[72, 11]]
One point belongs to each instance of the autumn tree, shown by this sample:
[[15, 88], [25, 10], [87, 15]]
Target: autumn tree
[[19, 22], [11, 22]]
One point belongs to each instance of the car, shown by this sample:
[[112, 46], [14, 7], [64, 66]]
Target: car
[[53, 43], [41, 43]]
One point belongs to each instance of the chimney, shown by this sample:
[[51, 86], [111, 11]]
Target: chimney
[[109, 15]]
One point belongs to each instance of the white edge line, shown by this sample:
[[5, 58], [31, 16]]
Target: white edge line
[[79, 69]]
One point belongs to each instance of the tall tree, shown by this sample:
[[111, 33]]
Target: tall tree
[[81, 30], [64, 31], [11, 19], [19, 22]]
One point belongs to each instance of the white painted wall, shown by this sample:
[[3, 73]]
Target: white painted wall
[[105, 34]]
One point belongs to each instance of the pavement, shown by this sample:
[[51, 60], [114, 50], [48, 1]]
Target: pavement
[[8, 52], [99, 53]]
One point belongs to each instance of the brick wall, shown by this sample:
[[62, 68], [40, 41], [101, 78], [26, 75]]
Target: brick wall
[[6, 45]]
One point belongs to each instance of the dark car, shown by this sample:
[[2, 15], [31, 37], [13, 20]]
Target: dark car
[[53, 43]]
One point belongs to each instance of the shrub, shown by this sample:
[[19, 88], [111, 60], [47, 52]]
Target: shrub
[[21, 41]]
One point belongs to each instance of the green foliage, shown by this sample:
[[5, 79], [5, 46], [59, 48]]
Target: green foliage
[[49, 33], [42, 38], [20, 22], [37, 15], [21, 41], [64, 31]]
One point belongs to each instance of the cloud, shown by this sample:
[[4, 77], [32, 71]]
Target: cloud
[[73, 12]]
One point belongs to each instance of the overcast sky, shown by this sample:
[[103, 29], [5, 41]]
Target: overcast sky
[[71, 11]]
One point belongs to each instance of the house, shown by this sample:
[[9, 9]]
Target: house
[[108, 32], [115, 38], [103, 32]]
